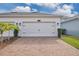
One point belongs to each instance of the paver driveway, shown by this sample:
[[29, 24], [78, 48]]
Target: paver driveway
[[39, 46]]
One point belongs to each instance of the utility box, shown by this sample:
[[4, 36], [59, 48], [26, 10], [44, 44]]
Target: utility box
[[15, 33]]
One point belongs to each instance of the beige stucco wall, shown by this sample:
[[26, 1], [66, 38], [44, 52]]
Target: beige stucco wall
[[16, 20], [21, 20]]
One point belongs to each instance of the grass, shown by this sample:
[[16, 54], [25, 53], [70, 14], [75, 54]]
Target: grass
[[71, 40]]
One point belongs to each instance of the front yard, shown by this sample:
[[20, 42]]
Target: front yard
[[71, 40]]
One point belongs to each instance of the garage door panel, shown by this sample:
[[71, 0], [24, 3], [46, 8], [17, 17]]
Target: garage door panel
[[38, 29]]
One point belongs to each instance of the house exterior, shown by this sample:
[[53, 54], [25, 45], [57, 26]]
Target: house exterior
[[32, 24], [71, 25]]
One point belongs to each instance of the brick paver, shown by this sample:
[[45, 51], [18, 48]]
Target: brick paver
[[40, 47]]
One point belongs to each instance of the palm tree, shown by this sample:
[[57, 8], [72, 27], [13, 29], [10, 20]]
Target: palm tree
[[1, 32], [7, 27]]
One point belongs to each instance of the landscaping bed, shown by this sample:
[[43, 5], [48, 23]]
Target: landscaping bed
[[5, 41], [74, 41]]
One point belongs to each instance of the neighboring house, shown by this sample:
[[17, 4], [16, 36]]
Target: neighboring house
[[71, 25], [33, 24]]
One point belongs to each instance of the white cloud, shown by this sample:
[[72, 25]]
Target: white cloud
[[22, 9], [67, 6], [34, 10], [65, 10], [50, 5]]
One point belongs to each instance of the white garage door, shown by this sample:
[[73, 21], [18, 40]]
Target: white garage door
[[38, 29]]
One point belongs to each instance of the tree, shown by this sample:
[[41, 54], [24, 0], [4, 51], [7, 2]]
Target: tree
[[7, 27], [1, 32]]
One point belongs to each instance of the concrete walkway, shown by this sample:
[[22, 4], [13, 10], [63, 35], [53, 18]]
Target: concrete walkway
[[39, 47]]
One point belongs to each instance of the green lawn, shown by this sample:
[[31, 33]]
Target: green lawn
[[71, 40]]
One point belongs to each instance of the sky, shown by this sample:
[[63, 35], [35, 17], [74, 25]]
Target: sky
[[65, 9]]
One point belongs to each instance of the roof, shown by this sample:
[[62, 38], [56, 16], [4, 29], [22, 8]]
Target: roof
[[25, 14], [76, 17]]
